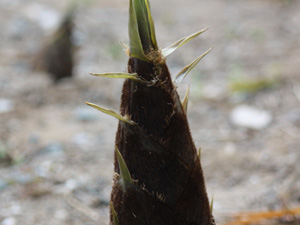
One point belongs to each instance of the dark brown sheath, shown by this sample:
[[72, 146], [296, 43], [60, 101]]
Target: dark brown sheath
[[158, 176], [159, 152]]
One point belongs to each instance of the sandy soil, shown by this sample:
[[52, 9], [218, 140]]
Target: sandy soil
[[56, 153]]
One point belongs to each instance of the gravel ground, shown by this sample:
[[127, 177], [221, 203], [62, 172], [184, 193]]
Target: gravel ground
[[56, 153]]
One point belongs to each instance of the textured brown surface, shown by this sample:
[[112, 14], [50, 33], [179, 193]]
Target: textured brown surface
[[159, 153]]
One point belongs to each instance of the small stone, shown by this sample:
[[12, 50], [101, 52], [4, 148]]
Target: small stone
[[9, 221], [6, 105], [71, 184], [250, 117]]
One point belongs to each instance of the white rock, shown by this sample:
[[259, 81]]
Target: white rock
[[71, 184], [250, 117], [9, 221], [6, 105]]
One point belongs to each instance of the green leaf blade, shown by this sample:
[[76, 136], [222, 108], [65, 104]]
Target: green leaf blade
[[111, 113], [186, 100], [141, 29], [131, 76], [169, 50], [114, 214], [124, 171], [184, 72]]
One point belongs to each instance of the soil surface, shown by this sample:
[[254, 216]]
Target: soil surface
[[56, 153]]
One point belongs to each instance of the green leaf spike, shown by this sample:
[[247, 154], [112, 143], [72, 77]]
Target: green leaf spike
[[114, 214], [169, 50], [184, 72], [141, 30], [186, 100], [199, 153], [124, 172], [212, 204], [132, 76], [111, 113]]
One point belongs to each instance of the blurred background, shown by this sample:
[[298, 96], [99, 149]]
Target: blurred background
[[56, 153]]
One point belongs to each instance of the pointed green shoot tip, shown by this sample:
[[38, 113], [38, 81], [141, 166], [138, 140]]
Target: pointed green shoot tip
[[186, 100], [124, 171], [212, 204], [184, 72], [141, 29], [199, 153], [169, 50], [111, 113], [114, 214], [131, 76]]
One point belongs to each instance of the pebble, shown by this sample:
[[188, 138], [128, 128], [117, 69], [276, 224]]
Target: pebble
[[250, 117], [71, 184], [6, 105], [9, 221]]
